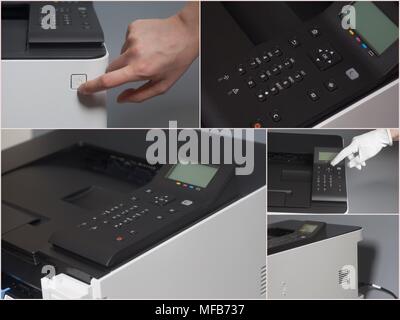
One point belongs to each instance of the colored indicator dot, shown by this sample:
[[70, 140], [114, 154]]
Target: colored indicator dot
[[191, 187], [257, 125], [178, 183], [364, 46], [119, 238], [184, 185], [351, 32], [358, 39]]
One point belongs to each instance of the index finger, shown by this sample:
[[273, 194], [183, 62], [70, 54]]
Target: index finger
[[109, 80], [342, 155]]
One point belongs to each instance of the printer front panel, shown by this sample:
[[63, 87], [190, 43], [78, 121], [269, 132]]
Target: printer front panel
[[50, 98]]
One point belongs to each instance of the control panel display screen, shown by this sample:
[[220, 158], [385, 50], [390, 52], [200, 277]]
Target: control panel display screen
[[375, 27], [194, 174], [308, 228], [326, 156]]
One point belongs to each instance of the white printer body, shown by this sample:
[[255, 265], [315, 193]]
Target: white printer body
[[42, 68], [220, 257], [322, 266]]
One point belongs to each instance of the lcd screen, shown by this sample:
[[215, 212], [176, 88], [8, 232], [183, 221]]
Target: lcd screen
[[195, 174], [308, 228], [326, 156], [376, 29]]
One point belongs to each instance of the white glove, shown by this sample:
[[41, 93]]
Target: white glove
[[364, 147]]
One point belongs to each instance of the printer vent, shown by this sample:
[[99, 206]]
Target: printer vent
[[344, 276], [263, 281]]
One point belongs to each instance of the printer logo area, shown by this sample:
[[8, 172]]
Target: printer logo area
[[48, 20]]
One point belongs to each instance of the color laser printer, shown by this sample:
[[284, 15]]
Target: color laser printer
[[300, 177], [48, 50], [312, 260], [295, 65], [84, 215]]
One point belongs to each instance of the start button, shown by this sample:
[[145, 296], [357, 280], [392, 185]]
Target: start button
[[77, 80]]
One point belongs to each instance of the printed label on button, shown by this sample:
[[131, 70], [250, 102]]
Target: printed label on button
[[77, 80]]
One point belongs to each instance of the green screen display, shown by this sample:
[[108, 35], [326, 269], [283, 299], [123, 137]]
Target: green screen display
[[308, 228], [195, 174], [326, 156], [374, 26]]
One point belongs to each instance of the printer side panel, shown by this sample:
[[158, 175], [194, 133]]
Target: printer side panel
[[321, 270], [221, 257], [42, 94]]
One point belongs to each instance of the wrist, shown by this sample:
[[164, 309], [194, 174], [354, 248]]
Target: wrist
[[189, 18]]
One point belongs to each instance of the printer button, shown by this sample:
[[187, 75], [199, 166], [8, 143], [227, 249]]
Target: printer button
[[77, 80], [187, 203], [315, 32], [312, 94], [330, 85], [294, 42], [275, 116]]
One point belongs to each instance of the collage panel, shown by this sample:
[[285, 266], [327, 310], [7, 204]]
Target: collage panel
[[300, 64], [101, 64], [333, 257], [199, 150], [133, 214], [327, 171]]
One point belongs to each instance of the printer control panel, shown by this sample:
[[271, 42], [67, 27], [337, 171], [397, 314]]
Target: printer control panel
[[329, 183], [63, 22], [281, 239], [306, 75], [178, 196]]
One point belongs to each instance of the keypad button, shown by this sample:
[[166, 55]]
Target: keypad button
[[274, 90], [187, 202], [260, 96], [352, 74], [250, 83], [172, 210], [312, 94], [275, 69], [286, 83], [253, 64], [330, 85], [263, 76], [325, 57], [277, 51], [241, 70], [265, 57], [275, 116], [314, 32], [257, 124], [288, 64], [294, 42], [297, 77]]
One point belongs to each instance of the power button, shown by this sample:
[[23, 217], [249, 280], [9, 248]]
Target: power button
[[77, 80]]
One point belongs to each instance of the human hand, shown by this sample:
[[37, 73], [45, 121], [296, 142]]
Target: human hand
[[158, 51], [364, 147]]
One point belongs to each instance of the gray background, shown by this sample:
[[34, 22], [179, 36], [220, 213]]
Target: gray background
[[374, 189], [378, 252], [180, 103]]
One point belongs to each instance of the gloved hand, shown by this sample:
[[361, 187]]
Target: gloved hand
[[364, 147]]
